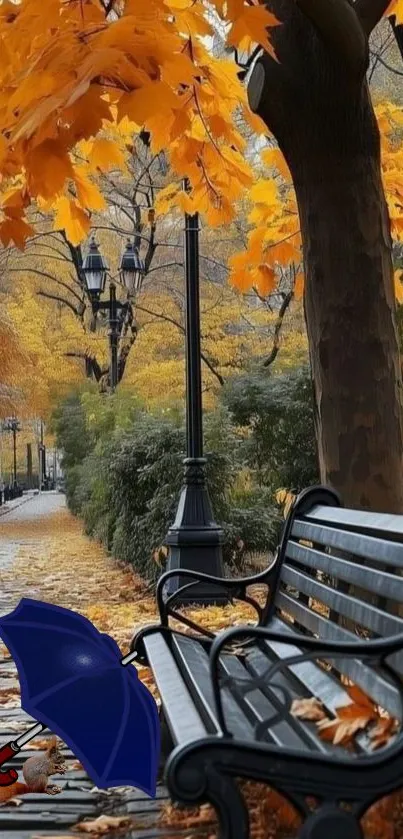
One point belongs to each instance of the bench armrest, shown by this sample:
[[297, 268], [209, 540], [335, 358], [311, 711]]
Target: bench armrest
[[376, 651], [234, 589]]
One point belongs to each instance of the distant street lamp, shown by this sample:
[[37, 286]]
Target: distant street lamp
[[95, 269], [12, 424], [195, 539]]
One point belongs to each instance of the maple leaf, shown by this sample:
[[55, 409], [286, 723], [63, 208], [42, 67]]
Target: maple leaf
[[308, 709], [384, 730], [49, 166], [15, 230], [250, 28], [72, 219], [105, 154], [395, 8], [349, 718], [264, 278], [88, 193]]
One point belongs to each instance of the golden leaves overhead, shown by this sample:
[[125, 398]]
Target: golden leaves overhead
[[81, 75]]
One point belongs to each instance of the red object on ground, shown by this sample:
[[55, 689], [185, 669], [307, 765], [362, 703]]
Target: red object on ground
[[7, 776]]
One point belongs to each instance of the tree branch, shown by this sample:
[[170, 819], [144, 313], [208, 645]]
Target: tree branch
[[279, 322], [369, 13], [182, 329], [91, 364], [60, 300], [338, 25]]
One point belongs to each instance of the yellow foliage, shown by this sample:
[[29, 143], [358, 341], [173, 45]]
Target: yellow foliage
[[84, 76]]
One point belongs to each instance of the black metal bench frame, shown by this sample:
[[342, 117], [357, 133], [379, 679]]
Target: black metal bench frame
[[205, 769]]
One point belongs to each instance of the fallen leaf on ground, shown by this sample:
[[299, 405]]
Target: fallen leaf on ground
[[308, 709], [103, 824], [75, 765]]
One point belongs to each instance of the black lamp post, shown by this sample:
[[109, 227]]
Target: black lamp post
[[12, 424], [194, 540], [132, 271]]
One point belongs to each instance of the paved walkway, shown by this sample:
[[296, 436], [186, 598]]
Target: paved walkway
[[34, 816]]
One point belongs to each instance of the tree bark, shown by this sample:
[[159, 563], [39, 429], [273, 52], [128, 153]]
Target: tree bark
[[323, 119]]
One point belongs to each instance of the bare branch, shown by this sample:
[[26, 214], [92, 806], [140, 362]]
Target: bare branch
[[165, 265], [91, 365], [179, 326], [338, 25], [369, 13], [48, 277], [279, 322], [60, 300]]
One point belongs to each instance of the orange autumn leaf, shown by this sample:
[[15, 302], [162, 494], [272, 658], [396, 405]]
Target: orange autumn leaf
[[382, 733], [15, 230], [105, 154], [250, 27], [350, 719], [308, 709], [265, 279], [49, 167], [88, 194], [72, 219]]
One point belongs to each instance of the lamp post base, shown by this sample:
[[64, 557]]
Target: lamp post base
[[195, 540]]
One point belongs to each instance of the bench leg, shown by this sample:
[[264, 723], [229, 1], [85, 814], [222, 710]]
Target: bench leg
[[330, 822], [193, 779]]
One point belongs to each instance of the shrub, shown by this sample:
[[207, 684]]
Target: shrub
[[126, 488], [277, 420]]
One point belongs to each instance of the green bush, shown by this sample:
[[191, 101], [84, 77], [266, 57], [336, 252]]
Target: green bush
[[277, 419], [127, 486]]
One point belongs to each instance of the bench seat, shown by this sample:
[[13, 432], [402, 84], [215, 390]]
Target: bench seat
[[332, 616]]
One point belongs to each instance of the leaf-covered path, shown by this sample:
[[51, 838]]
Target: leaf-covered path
[[43, 554]]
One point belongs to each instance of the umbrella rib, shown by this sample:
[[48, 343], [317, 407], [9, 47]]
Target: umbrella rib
[[125, 717], [55, 689]]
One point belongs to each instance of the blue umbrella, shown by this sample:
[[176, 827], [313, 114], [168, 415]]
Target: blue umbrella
[[74, 681]]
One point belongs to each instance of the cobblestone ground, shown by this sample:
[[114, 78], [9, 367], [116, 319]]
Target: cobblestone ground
[[44, 555]]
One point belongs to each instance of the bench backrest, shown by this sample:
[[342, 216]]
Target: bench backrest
[[341, 577]]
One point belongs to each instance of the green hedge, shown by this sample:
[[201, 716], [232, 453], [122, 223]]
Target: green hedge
[[127, 484]]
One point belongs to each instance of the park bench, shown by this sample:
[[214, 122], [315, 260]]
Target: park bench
[[330, 618]]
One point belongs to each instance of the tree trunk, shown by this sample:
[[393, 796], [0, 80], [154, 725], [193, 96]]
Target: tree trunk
[[323, 120]]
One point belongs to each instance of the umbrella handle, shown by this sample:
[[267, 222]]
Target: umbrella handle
[[7, 776]]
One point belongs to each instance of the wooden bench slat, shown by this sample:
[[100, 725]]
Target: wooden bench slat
[[369, 680], [349, 607], [370, 579], [183, 720], [367, 547], [363, 521]]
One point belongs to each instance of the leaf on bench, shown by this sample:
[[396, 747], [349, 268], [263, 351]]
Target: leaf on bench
[[308, 709], [343, 728], [383, 731], [349, 719]]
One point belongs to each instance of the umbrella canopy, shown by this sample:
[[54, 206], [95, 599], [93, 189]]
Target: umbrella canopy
[[73, 680]]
